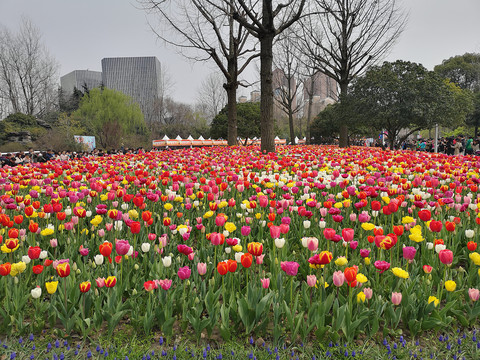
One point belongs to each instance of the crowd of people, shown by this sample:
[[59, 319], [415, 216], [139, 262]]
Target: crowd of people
[[460, 145], [31, 156]]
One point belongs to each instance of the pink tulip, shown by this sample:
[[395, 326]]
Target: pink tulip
[[409, 252], [364, 217], [191, 256], [100, 282], [368, 293], [165, 284], [263, 201], [396, 298], [83, 251], [101, 232], [311, 280], [329, 233], [290, 267], [109, 226], [265, 283], [184, 273], [382, 266], [312, 244], [122, 247], [220, 220], [259, 259], [353, 244], [245, 231], [53, 243], [284, 228], [275, 231], [364, 253], [474, 294], [202, 268], [348, 234], [353, 217], [338, 278], [215, 238], [75, 220]]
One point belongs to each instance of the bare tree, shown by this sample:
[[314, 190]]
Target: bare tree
[[265, 21], [347, 36], [286, 80], [211, 96], [204, 30], [27, 71]]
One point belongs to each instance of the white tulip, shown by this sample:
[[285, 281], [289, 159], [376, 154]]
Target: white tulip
[[37, 292], [124, 206], [145, 247], [280, 243], [306, 224], [469, 233], [228, 250], [43, 254], [439, 247], [26, 259], [98, 259], [167, 261], [238, 257], [88, 213], [130, 251], [429, 245]]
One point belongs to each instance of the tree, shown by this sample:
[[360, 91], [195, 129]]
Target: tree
[[344, 37], [285, 80], [404, 96], [463, 70], [27, 71], [248, 122], [110, 115], [211, 97], [473, 119], [265, 22], [204, 30]]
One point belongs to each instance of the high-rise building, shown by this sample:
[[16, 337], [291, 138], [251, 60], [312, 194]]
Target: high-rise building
[[138, 77], [325, 92], [281, 86], [80, 79]]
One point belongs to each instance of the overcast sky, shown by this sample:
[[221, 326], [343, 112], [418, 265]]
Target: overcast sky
[[79, 33]]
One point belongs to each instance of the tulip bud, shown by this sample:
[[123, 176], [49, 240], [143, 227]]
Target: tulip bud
[[197, 301], [134, 292], [74, 266], [78, 271], [211, 282], [96, 292], [15, 280], [136, 267]]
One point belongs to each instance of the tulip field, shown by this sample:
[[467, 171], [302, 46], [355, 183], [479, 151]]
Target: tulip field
[[309, 243]]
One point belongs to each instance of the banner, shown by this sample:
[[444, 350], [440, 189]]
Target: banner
[[88, 142]]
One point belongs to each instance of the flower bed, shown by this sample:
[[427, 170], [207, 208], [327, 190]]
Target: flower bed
[[309, 242]]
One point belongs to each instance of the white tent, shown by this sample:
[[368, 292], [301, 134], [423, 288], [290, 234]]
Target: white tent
[[178, 138], [201, 138], [190, 137], [165, 138]]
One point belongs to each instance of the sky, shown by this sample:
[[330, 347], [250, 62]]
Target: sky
[[80, 33]]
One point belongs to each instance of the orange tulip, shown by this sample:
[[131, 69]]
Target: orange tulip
[[5, 269], [222, 267], [246, 260]]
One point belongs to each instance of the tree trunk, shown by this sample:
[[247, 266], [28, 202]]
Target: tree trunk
[[290, 122], [343, 141], [309, 111], [266, 93], [232, 114]]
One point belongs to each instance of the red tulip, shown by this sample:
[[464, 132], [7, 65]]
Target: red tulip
[[63, 269], [436, 226], [424, 215], [5, 269], [398, 230], [472, 245], [450, 226], [376, 205], [350, 274], [135, 227], [34, 252], [246, 260], [37, 269], [232, 265], [222, 267], [446, 257], [329, 233], [33, 227], [110, 281], [149, 285], [85, 286], [106, 249]]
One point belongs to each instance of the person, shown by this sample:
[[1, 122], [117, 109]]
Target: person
[[6, 160], [468, 146], [457, 146]]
